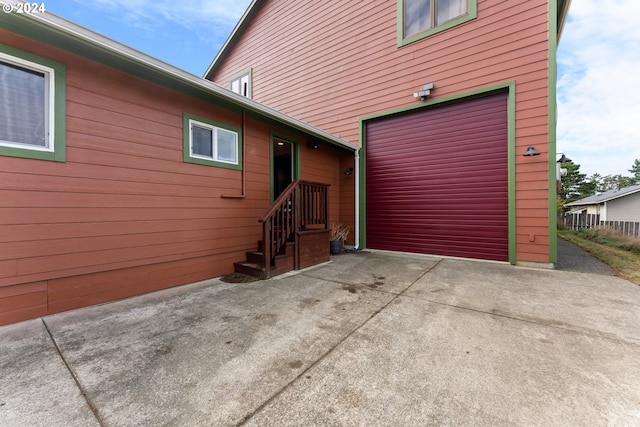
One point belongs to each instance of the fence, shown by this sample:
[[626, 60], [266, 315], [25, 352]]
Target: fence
[[584, 221]]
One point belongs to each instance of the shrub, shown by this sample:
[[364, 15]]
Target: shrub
[[610, 237]]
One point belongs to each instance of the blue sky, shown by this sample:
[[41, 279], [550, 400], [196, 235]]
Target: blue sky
[[599, 61], [186, 34]]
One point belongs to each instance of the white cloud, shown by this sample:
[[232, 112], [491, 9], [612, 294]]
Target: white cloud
[[184, 12], [200, 16], [599, 61]]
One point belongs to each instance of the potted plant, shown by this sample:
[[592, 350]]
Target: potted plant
[[337, 237]]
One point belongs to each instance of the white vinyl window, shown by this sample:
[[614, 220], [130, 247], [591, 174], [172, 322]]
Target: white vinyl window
[[26, 104], [422, 18], [241, 84], [420, 15], [210, 143]]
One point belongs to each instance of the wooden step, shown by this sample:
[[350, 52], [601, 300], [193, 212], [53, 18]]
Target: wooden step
[[254, 257], [250, 269]]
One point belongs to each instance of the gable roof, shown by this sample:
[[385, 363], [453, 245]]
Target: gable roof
[[562, 11], [606, 196], [245, 19], [57, 31]]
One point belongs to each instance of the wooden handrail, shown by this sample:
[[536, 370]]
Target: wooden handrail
[[301, 204]]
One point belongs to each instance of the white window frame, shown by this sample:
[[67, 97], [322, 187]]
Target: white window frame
[[49, 107], [189, 156], [405, 39], [241, 83], [214, 142]]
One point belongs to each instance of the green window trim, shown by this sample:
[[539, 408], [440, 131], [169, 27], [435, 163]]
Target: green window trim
[[472, 13], [188, 157], [58, 104]]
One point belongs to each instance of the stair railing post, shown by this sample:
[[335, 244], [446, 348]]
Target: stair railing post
[[296, 226], [266, 245]]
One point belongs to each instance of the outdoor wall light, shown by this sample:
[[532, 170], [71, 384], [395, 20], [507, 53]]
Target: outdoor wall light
[[313, 145], [531, 151], [426, 91], [561, 172], [348, 171]]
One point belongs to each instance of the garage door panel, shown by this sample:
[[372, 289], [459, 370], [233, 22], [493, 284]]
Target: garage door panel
[[437, 180]]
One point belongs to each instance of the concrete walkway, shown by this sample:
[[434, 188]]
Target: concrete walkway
[[369, 339]]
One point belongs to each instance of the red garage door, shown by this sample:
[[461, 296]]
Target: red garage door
[[437, 181]]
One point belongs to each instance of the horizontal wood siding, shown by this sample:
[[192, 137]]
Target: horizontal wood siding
[[322, 165], [124, 214], [332, 62]]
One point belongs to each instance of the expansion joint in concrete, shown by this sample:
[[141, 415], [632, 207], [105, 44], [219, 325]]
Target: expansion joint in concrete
[[87, 399], [331, 349]]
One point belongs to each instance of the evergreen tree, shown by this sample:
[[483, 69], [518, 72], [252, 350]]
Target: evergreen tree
[[572, 185], [635, 171], [615, 182]]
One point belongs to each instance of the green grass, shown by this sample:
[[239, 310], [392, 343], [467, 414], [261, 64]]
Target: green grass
[[621, 253]]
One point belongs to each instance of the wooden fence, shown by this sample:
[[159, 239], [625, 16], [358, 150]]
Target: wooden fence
[[585, 221]]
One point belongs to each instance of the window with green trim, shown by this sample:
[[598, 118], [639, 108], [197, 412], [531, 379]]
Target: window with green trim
[[420, 18], [211, 143], [31, 106]]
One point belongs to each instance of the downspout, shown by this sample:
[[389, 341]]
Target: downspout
[[242, 194], [357, 201]]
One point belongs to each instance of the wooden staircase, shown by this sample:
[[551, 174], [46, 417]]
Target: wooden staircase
[[254, 266], [293, 232]]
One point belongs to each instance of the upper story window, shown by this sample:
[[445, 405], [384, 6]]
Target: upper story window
[[210, 143], [29, 105], [421, 18], [241, 83]]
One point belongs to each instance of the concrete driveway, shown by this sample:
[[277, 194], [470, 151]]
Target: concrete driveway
[[369, 339]]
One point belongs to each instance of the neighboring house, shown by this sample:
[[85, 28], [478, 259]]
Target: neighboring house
[[120, 174], [444, 98], [613, 205]]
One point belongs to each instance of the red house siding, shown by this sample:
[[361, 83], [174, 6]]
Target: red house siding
[[125, 214], [330, 63]]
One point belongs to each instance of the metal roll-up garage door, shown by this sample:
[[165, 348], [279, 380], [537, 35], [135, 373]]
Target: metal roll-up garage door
[[437, 180]]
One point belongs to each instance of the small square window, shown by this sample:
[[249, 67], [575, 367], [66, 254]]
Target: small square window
[[210, 143]]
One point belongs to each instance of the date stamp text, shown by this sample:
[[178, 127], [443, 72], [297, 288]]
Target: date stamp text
[[24, 8]]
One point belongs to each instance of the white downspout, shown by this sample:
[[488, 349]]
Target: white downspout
[[357, 204]]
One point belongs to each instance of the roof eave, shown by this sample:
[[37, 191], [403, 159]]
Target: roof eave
[[583, 202], [231, 40], [52, 27], [563, 12]]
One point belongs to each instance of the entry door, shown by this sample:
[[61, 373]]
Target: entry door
[[282, 166]]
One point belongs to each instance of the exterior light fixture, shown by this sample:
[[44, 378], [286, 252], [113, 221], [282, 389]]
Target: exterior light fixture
[[561, 172], [426, 91], [531, 151], [348, 171], [313, 144]]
